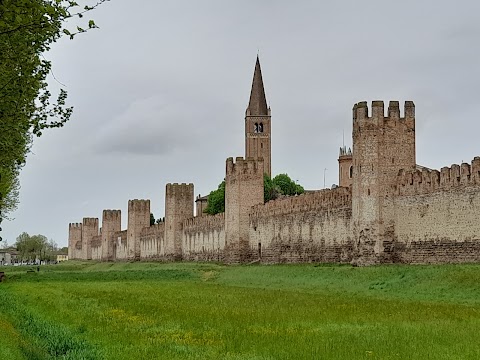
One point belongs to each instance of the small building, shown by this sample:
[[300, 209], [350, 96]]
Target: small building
[[8, 256], [62, 257]]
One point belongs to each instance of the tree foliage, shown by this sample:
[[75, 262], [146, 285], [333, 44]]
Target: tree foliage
[[28, 28], [35, 247], [216, 200], [280, 185]]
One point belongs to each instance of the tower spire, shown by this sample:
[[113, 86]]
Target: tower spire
[[258, 103]]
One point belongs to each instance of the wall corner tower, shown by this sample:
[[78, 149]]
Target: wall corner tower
[[258, 128]]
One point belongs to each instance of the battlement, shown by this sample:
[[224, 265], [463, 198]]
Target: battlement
[[241, 166], [361, 112], [205, 222], [111, 215], [177, 189], [75, 226], [90, 222], [424, 181], [328, 199], [154, 229], [139, 205], [345, 153]]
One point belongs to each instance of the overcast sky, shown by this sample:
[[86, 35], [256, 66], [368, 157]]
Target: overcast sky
[[160, 93]]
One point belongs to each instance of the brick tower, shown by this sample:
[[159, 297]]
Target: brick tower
[[382, 146], [243, 189], [179, 200], [89, 230], [258, 129], [138, 218], [111, 223]]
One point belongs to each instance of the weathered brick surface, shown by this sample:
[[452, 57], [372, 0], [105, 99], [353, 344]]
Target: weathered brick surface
[[243, 189], [315, 226], [89, 230], [111, 223], [138, 219], [204, 238], [390, 210], [152, 242], [120, 248], [75, 241], [179, 200]]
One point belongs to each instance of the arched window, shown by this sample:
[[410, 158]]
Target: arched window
[[260, 128], [351, 172], [256, 128]]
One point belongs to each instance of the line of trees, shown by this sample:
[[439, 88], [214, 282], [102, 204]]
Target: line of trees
[[280, 185], [37, 247]]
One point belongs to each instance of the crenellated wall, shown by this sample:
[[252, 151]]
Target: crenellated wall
[[75, 240], [387, 209], [315, 226], [436, 215], [243, 189], [120, 248], [97, 247], [138, 218], [426, 181], [152, 242], [179, 200], [111, 223], [204, 238], [89, 230]]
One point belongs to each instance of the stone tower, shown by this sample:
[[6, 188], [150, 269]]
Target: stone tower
[[74, 238], [258, 128], [179, 203], [243, 189], [89, 230], [111, 222], [381, 147], [345, 168], [138, 218]]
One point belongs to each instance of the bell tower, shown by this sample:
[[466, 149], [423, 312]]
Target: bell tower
[[258, 123]]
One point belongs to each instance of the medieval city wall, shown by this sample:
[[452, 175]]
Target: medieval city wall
[[436, 215], [204, 238], [315, 226], [152, 242], [120, 248], [97, 247], [75, 241]]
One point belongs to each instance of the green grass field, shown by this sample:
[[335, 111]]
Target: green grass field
[[208, 311]]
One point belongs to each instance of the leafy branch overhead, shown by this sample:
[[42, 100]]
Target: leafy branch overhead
[[27, 31]]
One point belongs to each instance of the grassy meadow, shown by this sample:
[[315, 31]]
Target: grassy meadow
[[207, 311]]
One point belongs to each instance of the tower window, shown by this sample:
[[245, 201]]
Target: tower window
[[351, 172], [256, 128], [260, 128]]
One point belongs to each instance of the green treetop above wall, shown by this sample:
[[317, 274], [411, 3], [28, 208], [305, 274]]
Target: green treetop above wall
[[280, 185]]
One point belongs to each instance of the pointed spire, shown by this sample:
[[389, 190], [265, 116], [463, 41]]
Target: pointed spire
[[258, 103]]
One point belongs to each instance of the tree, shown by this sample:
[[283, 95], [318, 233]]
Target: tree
[[216, 200], [272, 189], [287, 186], [36, 247], [27, 30]]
